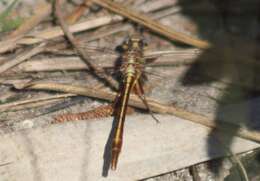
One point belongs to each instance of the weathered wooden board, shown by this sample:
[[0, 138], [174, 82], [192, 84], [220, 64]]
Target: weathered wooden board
[[74, 151]]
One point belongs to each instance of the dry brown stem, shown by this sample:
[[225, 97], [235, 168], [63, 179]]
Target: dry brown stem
[[151, 24], [9, 44], [55, 32], [76, 14], [12, 105], [134, 101], [22, 57], [174, 57], [96, 71]]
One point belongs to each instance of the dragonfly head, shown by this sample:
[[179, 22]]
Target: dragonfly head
[[134, 42]]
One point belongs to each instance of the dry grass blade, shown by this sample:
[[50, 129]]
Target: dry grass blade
[[233, 158], [75, 63], [156, 5], [9, 44], [22, 57], [76, 14], [4, 107], [57, 31], [134, 101], [96, 71], [151, 24]]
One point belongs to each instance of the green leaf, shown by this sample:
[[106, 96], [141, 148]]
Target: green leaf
[[6, 23], [8, 10]]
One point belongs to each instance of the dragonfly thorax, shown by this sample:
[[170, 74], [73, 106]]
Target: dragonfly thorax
[[130, 70]]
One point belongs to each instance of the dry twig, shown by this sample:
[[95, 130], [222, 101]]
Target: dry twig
[[96, 71], [12, 105], [76, 14], [75, 63], [22, 57], [151, 24], [9, 44], [154, 106], [55, 32]]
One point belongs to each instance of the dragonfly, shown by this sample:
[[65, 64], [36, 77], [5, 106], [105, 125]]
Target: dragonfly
[[132, 70], [132, 73]]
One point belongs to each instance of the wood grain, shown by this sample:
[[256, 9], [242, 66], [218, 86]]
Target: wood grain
[[74, 151]]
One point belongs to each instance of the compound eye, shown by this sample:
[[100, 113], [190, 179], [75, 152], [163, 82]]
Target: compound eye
[[126, 44], [143, 44]]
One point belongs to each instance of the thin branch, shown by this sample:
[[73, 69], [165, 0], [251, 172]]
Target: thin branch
[[9, 44], [22, 57], [154, 105], [4, 107], [76, 14], [96, 71], [55, 32], [151, 24], [233, 157], [240, 166], [75, 63]]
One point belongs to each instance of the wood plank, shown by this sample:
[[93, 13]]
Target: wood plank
[[74, 151]]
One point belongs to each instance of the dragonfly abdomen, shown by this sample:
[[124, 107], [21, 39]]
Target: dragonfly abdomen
[[120, 119]]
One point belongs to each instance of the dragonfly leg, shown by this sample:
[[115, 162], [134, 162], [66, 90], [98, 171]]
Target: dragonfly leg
[[140, 92]]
